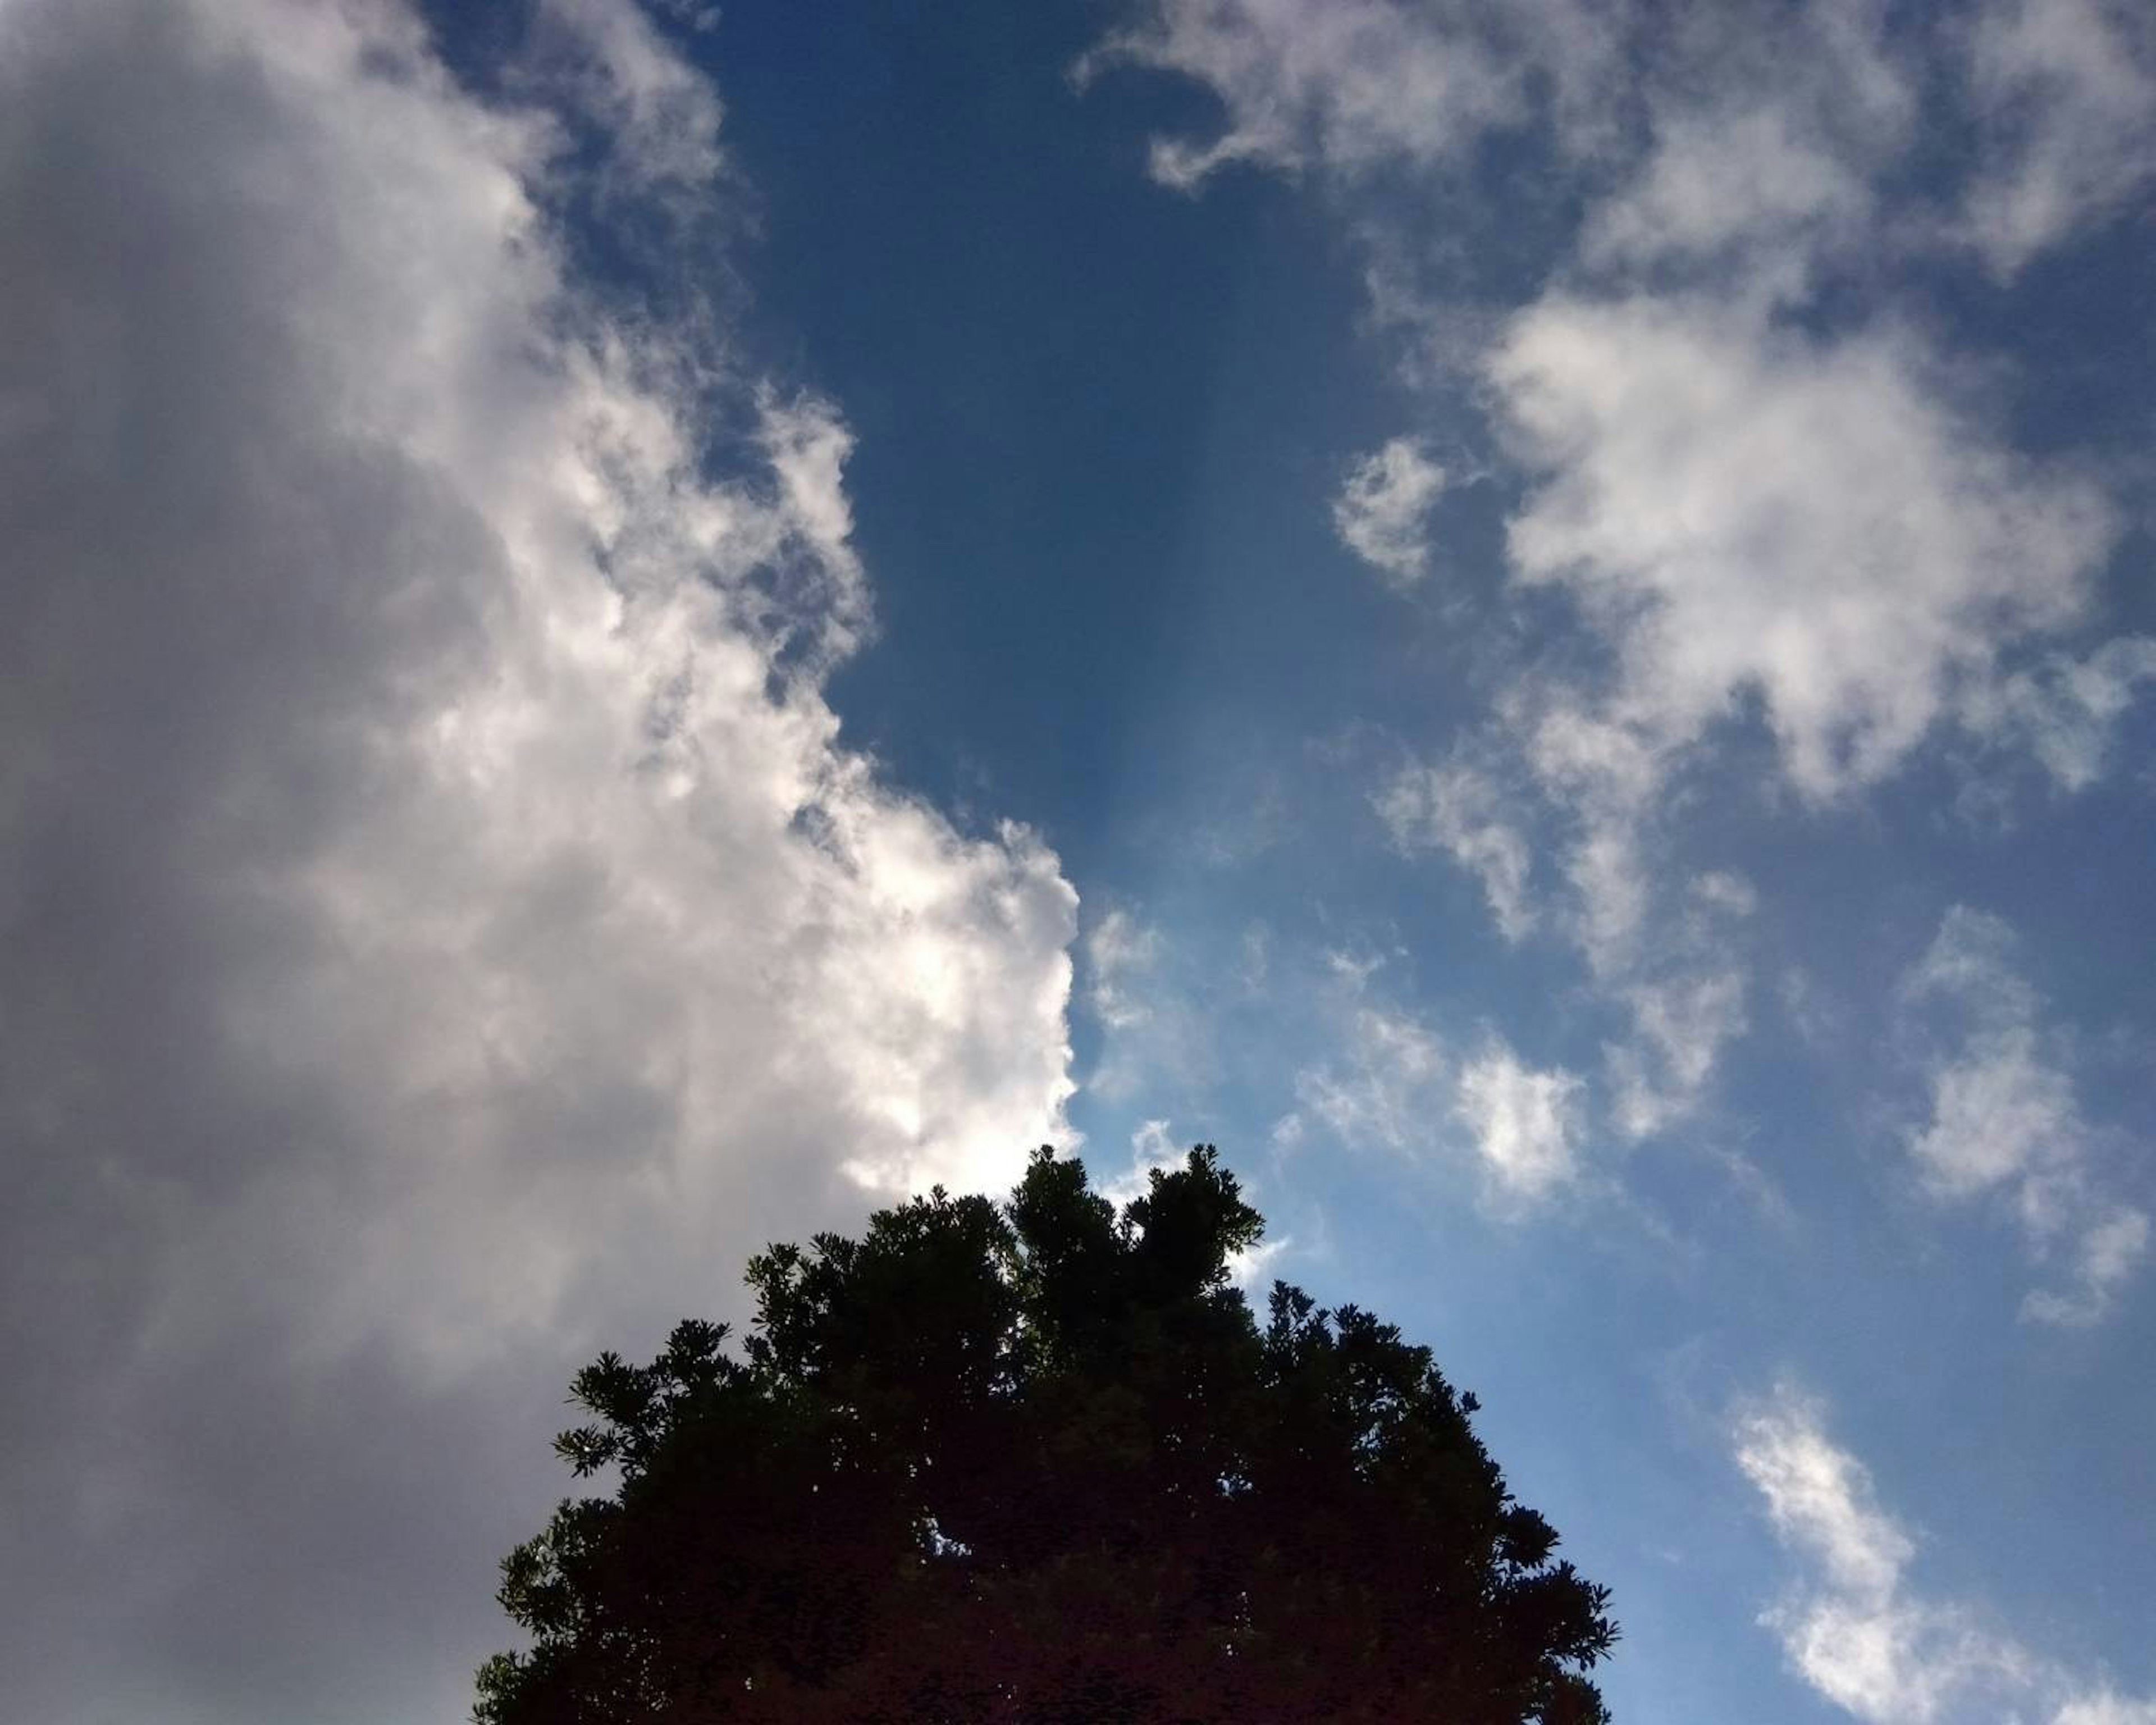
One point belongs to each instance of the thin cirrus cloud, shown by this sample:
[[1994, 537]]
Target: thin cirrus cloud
[[1352, 86], [2004, 1119], [1392, 1083], [1457, 807], [1804, 110], [1854, 1626], [1159, 1034], [1369, 1071], [1386, 1083], [433, 883]]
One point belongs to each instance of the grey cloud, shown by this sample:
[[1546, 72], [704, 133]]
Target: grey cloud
[[440, 929]]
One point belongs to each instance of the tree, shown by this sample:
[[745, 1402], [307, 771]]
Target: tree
[[1038, 1462]]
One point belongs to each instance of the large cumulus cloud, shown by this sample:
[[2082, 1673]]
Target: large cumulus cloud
[[440, 924]]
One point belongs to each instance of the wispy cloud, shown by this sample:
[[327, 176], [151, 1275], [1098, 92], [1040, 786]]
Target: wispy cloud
[[1762, 486], [1382, 509], [1855, 1627], [1526, 1126], [1350, 86], [2004, 1117], [1386, 1087], [1742, 511], [1458, 808], [1755, 171], [2065, 711], [1392, 1083], [1122, 955], [654, 118], [2069, 89]]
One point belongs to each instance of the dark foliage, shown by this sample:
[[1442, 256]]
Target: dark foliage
[[1038, 1463]]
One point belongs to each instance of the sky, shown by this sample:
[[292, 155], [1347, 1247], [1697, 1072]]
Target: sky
[[632, 629]]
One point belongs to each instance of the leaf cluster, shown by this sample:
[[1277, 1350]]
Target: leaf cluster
[[1036, 1462]]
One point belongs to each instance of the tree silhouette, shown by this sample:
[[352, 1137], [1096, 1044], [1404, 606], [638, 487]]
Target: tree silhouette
[[1038, 1462]]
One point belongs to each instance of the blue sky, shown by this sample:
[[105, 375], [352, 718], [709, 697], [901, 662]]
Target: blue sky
[[637, 627]]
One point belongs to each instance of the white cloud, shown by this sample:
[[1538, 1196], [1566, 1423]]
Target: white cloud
[[1856, 1630], [1680, 1024], [2065, 711], [1345, 86], [1394, 1085], [1820, 1499], [1999, 1111], [1670, 956], [1684, 989], [1663, 947], [653, 115], [2067, 91], [1742, 510], [2003, 1116], [1455, 807], [1612, 895], [1719, 179], [1745, 513], [1606, 772], [1760, 516], [1970, 963], [1122, 955], [2106, 1708], [1253, 1266], [1152, 1146], [1382, 509], [1853, 1630], [457, 932], [1387, 1089], [1766, 134], [1769, 131], [1754, 520], [2109, 1254], [1526, 1125]]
